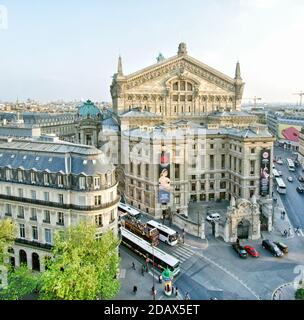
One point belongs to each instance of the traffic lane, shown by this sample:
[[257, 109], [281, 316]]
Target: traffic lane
[[261, 274], [203, 280], [292, 200]]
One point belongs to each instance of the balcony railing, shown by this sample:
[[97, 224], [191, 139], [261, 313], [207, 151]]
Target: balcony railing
[[61, 206], [33, 243]]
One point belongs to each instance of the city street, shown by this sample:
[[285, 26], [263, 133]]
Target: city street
[[293, 201]]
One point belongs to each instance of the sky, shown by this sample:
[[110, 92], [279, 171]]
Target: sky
[[68, 49]]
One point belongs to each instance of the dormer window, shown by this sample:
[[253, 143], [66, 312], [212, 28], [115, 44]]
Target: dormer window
[[37, 158], [46, 179], [33, 177], [81, 183], [96, 182], [20, 175], [60, 181], [8, 174], [24, 157], [12, 156]]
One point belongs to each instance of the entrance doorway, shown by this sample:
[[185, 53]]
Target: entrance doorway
[[35, 262], [243, 229]]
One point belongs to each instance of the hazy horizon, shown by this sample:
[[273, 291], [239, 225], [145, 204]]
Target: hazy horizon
[[69, 51]]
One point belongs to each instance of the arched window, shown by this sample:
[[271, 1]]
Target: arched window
[[22, 257]]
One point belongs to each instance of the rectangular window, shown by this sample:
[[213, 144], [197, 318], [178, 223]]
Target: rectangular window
[[46, 179], [177, 170], [96, 182], [223, 161], [60, 198], [20, 193], [33, 214], [211, 162], [252, 150], [8, 174], [223, 185], [175, 97], [182, 85], [111, 195], [60, 218], [193, 187], [22, 230], [33, 177], [98, 220], [48, 236], [252, 166], [46, 196], [251, 183], [8, 191], [47, 216], [20, 176], [189, 98], [131, 167], [81, 183], [182, 98], [98, 200], [177, 200], [211, 146], [20, 212], [211, 185], [202, 186], [147, 170], [8, 209], [240, 165], [60, 180], [139, 170], [112, 215], [35, 233], [33, 194]]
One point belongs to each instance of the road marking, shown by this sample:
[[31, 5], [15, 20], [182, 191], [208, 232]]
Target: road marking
[[231, 274], [122, 273]]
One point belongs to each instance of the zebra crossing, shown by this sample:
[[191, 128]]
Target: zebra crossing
[[182, 253]]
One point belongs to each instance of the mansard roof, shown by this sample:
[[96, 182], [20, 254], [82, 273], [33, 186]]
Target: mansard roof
[[53, 157]]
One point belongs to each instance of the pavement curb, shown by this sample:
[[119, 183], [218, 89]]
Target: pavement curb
[[279, 288]]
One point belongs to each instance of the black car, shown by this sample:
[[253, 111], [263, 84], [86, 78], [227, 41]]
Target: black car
[[282, 246], [240, 250], [301, 178], [300, 189], [272, 247]]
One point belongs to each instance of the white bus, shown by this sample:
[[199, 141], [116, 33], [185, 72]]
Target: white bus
[[275, 173], [281, 187], [124, 209], [166, 234], [161, 259], [291, 165]]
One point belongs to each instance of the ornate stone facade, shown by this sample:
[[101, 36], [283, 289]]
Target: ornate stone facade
[[180, 86]]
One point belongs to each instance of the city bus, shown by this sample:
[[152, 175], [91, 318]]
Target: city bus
[[161, 259], [281, 187], [291, 165], [124, 209], [275, 173], [166, 234]]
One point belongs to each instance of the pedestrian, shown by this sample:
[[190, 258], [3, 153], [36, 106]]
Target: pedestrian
[[289, 231], [160, 279], [133, 265], [143, 270], [285, 233], [134, 289], [187, 297], [172, 290], [176, 291]]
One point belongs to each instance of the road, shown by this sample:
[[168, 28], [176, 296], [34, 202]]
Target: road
[[292, 200]]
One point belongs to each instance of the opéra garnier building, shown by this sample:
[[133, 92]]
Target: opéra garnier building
[[186, 146]]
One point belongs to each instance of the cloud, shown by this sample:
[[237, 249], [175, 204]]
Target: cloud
[[263, 4]]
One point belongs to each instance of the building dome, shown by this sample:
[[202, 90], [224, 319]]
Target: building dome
[[88, 109]]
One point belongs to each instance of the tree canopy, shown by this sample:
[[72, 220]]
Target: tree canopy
[[7, 235], [82, 267]]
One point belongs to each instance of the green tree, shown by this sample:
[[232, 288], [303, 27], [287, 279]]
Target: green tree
[[300, 294], [21, 283], [7, 235], [82, 268]]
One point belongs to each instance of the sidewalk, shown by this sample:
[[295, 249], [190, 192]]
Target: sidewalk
[[281, 224], [130, 278]]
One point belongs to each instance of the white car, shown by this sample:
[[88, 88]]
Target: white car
[[280, 173], [279, 161], [213, 217], [290, 179]]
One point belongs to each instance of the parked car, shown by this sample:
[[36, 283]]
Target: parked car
[[301, 178], [279, 161], [252, 251], [213, 217], [272, 247], [290, 179], [240, 250], [282, 246], [280, 173], [300, 189]]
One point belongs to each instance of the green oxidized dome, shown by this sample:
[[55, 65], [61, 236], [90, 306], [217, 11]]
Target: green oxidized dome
[[89, 109]]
